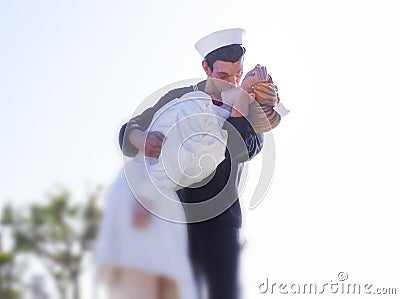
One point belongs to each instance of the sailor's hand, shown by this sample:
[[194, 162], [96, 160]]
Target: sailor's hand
[[253, 77], [148, 143]]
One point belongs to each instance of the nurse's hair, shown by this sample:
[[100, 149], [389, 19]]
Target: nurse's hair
[[230, 53]]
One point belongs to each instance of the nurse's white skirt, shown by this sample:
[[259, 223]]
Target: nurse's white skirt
[[161, 248]]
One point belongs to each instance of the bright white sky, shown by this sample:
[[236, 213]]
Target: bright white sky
[[72, 72]]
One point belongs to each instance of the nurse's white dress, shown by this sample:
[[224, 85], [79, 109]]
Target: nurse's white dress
[[194, 145]]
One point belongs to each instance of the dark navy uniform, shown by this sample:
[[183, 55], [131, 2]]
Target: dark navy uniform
[[213, 244]]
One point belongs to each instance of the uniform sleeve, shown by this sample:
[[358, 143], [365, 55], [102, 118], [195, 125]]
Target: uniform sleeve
[[243, 143], [142, 122]]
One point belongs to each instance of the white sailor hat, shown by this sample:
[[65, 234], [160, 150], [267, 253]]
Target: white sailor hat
[[218, 40]]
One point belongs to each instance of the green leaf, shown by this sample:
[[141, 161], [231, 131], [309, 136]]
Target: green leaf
[[6, 258]]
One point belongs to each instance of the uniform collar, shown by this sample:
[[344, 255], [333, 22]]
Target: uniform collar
[[201, 85]]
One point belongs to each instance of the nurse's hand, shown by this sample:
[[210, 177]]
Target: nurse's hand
[[148, 143], [141, 217]]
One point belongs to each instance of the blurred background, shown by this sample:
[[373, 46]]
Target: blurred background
[[71, 73]]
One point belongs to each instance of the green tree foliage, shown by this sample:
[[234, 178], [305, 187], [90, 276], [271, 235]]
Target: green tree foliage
[[59, 232], [8, 277]]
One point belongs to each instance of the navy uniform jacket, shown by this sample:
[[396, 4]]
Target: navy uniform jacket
[[243, 144]]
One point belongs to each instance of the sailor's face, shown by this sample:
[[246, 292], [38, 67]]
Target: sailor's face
[[228, 71], [225, 75]]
